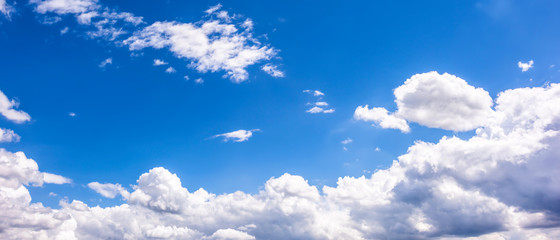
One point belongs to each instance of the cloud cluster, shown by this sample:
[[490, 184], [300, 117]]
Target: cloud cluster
[[220, 42], [433, 100], [499, 184], [8, 110], [6, 9], [238, 135], [318, 106], [8, 135]]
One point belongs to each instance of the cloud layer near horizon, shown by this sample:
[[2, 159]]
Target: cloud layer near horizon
[[499, 184]]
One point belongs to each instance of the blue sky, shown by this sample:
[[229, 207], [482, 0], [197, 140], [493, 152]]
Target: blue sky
[[130, 116]]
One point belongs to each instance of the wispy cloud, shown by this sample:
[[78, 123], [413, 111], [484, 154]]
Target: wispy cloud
[[237, 136], [525, 66]]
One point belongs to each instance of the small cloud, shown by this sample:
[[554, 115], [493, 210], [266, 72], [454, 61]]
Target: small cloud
[[346, 141], [106, 62], [213, 9], [52, 194], [64, 31], [8, 135], [237, 136], [159, 62], [315, 93], [322, 104], [71, 114], [170, 70], [199, 81], [320, 110], [525, 66], [108, 190], [377, 149], [186, 77], [272, 70]]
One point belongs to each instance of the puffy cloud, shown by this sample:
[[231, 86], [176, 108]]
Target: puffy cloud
[[8, 135], [210, 46], [381, 117], [272, 70], [434, 100], [7, 109], [108, 190], [238, 136], [500, 183], [525, 66]]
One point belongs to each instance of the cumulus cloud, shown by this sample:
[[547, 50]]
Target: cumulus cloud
[[500, 183], [219, 43], [525, 66], [434, 100], [8, 135], [108, 190], [237, 136], [8, 110], [315, 93]]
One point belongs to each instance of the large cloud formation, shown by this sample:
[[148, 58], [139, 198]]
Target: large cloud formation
[[219, 42], [433, 100], [501, 183]]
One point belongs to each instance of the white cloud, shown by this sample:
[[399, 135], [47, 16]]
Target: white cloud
[[525, 66], [434, 100], [7, 109], [64, 30], [159, 62], [272, 70], [108, 190], [6, 9], [238, 136], [199, 81], [319, 110], [346, 141], [213, 9], [106, 62], [8, 135], [381, 117], [71, 114], [219, 42], [170, 70], [500, 183], [321, 104], [315, 93]]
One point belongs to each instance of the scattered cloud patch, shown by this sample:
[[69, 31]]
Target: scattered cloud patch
[[199, 81], [318, 106], [106, 62], [8, 110], [434, 100], [345, 142], [71, 114], [8, 135], [213, 9], [237, 136], [525, 66], [218, 43], [64, 30]]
